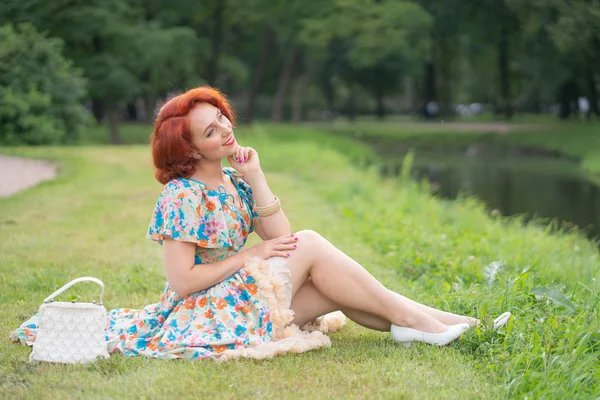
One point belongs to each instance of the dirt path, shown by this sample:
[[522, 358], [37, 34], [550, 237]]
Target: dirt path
[[18, 174]]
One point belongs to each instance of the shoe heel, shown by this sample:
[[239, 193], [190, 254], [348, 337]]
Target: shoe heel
[[406, 344]]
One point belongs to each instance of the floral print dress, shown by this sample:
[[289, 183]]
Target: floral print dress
[[239, 317]]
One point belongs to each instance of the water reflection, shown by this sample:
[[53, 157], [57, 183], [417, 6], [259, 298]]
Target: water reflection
[[540, 187]]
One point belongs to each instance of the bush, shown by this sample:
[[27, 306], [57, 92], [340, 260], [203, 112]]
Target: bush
[[40, 91]]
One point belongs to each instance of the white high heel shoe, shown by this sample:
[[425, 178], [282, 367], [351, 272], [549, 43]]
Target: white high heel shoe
[[406, 336], [501, 320]]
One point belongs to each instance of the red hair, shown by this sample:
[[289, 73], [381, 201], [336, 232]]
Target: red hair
[[171, 140]]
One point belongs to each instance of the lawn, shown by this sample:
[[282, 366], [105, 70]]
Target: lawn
[[449, 254]]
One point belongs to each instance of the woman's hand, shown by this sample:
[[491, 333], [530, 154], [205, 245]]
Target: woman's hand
[[245, 160], [278, 247]]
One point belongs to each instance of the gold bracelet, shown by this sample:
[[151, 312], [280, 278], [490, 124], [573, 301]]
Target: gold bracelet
[[269, 210]]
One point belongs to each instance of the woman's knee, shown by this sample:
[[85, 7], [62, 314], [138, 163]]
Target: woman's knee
[[309, 236], [310, 245]]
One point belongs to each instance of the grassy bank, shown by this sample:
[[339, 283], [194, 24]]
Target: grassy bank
[[92, 221], [580, 139]]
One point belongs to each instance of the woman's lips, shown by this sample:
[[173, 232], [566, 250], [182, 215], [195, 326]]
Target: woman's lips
[[230, 141]]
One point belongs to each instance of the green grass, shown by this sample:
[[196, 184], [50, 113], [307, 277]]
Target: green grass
[[92, 221]]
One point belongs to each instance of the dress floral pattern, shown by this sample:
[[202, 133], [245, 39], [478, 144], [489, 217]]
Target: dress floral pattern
[[234, 318]]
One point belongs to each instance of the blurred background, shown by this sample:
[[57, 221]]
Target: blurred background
[[497, 98]]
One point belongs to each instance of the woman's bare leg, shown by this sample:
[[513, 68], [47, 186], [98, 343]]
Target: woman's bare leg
[[308, 304], [442, 316], [348, 284]]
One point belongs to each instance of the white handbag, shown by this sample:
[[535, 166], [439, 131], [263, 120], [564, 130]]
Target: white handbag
[[70, 332]]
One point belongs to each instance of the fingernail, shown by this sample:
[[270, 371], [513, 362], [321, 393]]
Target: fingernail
[[296, 238], [245, 158], [288, 254], [237, 159], [292, 235], [295, 246]]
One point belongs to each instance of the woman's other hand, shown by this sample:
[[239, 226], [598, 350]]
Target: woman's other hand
[[279, 247]]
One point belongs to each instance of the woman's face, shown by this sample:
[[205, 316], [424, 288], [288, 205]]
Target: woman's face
[[212, 133]]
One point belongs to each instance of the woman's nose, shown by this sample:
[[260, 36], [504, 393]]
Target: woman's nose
[[225, 129]]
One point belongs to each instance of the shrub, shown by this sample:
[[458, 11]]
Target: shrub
[[40, 90]]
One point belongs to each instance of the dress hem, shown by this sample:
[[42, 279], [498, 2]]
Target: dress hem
[[286, 337]]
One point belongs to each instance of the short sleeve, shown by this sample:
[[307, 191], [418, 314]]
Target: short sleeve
[[186, 213], [246, 192]]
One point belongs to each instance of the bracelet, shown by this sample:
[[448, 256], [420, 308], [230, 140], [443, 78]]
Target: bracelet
[[269, 210]]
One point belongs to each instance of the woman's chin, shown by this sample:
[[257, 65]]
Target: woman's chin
[[230, 152]]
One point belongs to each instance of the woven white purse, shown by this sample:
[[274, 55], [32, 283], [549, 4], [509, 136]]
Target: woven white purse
[[70, 332]]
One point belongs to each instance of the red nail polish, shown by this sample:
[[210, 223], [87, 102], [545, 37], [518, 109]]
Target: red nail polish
[[296, 238], [288, 254], [295, 246]]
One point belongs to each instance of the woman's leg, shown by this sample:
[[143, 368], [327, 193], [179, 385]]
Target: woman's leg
[[442, 316], [348, 284], [308, 304]]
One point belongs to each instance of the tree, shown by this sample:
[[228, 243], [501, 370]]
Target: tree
[[108, 40], [440, 75], [40, 91], [576, 33], [380, 42], [496, 24]]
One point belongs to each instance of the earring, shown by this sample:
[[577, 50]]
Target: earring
[[197, 156]]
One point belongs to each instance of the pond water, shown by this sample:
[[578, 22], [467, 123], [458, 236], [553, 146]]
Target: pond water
[[511, 180]]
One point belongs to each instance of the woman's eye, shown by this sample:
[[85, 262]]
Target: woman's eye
[[210, 133], [219, 117]]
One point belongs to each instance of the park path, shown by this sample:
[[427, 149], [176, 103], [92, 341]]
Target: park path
[[18, 174]]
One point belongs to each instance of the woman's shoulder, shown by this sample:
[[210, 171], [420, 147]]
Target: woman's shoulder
[[182, 186], [180, 191]]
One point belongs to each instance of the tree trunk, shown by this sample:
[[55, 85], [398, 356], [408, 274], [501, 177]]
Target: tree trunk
[[98, 109], [298, 91], [283, 84], [444, 71], [380, 106], [113, 125], [149, 106], [503, 50], [593, 94], [430, 92], [216, 40], [132, 114], [567, 95], [265, 47], [351, 105]]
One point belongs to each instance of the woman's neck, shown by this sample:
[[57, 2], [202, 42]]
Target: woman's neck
[[210, 173]]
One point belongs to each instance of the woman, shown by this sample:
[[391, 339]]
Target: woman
[[222, 301]]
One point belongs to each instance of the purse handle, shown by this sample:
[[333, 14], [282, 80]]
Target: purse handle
[[50, 298]]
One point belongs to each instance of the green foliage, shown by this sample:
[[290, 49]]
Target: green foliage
[[342, 56], [375, 43], [40, 91], [387, 29], [159, 60], [123, 52]]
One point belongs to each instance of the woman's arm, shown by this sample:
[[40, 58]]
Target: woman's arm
[[274, 225], [185, 277]]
